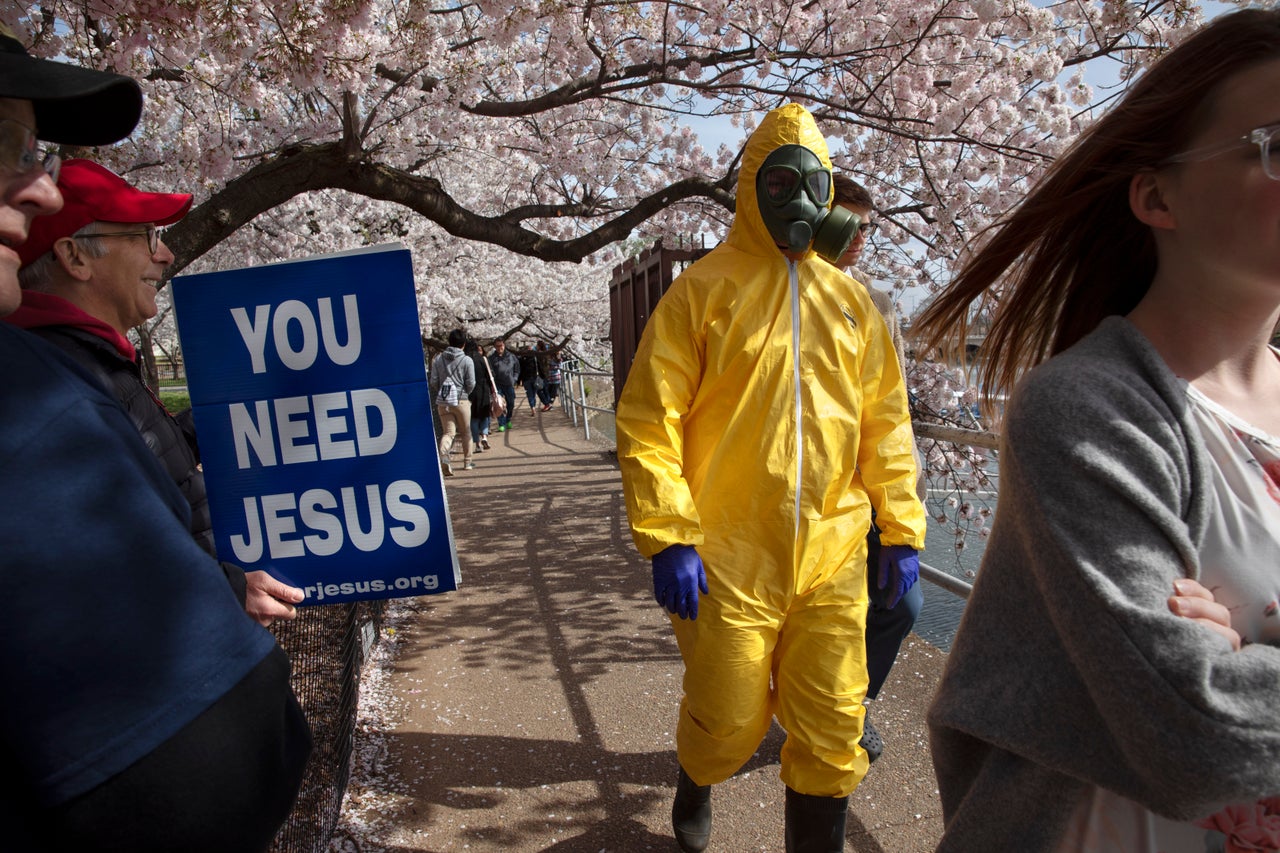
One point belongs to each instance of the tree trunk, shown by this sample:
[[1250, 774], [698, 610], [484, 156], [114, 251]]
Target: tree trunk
[[147, 359]]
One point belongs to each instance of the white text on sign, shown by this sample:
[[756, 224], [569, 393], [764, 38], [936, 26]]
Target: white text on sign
[[295, 430], [294, 417], [276, 529], [292, 311]]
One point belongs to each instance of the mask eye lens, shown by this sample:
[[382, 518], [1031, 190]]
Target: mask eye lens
[[780, 183], [819, 186]]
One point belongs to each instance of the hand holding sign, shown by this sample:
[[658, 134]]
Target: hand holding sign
[[304, 376]]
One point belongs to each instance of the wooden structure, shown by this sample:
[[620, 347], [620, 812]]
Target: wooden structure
[[634, 292]]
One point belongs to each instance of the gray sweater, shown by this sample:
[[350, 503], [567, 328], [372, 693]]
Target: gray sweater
[[1069, 670], [455, 367]]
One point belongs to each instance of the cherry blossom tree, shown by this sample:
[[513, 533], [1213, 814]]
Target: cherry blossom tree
[[522, 149], [490, 136]]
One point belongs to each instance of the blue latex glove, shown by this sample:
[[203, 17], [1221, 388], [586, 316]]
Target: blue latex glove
[[677, 577], [899, 570]]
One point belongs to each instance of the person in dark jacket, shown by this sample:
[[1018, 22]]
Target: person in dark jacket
[[887, 627], [530, 373], [549, 369], [481, 396], [143, 709], [506, 374], [89, 275]]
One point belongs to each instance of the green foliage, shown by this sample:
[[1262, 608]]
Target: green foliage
[[175, 401]]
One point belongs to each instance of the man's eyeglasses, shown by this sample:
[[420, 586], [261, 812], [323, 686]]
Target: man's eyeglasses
[[20, 154], [150, 232], [1266, 138]]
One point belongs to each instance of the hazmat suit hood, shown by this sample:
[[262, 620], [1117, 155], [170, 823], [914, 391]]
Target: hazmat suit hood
[[791, 124]]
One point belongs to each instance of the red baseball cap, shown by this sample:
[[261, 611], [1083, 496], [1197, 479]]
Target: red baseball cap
[[94, 193]]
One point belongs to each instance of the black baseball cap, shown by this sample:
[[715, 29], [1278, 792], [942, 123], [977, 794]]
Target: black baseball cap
[[73, 105]]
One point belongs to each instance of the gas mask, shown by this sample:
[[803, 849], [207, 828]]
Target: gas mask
[[793, 189]]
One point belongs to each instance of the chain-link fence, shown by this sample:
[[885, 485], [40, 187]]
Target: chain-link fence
[[328, 646]]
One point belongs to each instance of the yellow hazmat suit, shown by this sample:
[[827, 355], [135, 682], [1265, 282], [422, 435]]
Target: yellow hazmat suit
[[763, 418]]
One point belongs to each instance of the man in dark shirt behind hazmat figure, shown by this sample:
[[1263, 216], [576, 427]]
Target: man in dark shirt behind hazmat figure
[[763, 419], [144, 711]]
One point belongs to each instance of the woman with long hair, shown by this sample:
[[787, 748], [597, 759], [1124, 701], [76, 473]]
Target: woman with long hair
[[1115, 681], [481, 397]]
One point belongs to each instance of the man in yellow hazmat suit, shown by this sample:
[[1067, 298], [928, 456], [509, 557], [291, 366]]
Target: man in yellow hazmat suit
[[763, 418]]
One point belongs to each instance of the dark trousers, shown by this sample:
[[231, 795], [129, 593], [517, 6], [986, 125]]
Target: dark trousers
[[508, 393], [533, 392], [886, 627]]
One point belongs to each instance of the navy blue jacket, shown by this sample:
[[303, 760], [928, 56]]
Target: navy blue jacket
[[121, 638]]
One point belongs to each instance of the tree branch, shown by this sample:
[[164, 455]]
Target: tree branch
[[308, 168]]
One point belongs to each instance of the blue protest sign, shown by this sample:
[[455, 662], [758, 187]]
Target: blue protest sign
[[313, 418]]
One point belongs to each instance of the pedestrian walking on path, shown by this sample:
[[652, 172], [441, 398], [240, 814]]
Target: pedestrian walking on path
[[764, 421], [481, 396], [452, 377], [506, 373], [1127, 594]]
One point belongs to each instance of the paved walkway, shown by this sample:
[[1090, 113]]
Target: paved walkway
[[534, 708]]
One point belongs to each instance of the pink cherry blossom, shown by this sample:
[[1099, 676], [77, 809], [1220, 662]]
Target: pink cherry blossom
[[1249, 827]]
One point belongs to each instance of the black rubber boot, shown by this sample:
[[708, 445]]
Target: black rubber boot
[[691, 814], [815, 824]]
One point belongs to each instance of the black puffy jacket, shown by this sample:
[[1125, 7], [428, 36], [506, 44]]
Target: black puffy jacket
[[528, 367], [171, 439], [482, 394]]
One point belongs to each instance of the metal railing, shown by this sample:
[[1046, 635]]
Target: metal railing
[[573, 394], [328, 646], [950, 583], [956, 435]]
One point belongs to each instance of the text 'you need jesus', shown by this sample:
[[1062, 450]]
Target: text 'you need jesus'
[[301, 430]]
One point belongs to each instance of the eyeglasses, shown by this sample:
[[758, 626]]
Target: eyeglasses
[[150, 232], [20, 154], [866, 228], [1263, 137], [781, 183]]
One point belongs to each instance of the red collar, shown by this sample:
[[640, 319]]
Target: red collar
[[43, 309]]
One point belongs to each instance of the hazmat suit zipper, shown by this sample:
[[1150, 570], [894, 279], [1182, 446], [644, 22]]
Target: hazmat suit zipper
[[793, 276]]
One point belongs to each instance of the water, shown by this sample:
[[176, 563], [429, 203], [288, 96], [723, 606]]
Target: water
[[940, 616], [942, 609]]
